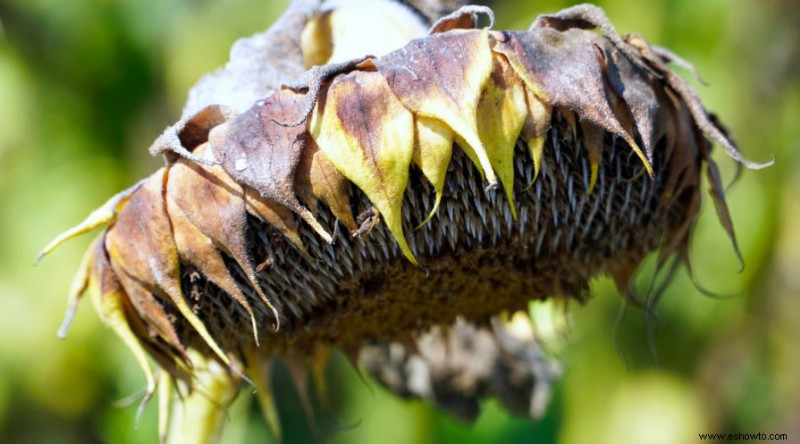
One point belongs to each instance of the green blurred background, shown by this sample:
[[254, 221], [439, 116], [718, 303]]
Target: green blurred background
[[86, 86]]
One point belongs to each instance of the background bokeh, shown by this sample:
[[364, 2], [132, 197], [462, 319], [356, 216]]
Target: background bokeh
[[85, 86]]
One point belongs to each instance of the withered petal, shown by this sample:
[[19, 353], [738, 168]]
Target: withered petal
[[534, 130], [216, 206], [276, 215], [442, 77], [593, 140], [502, 111], [721, 206], [99, 217], [368, 136], [257, 151], [433, 149], [110, 299], [318, 178], [637, 92], [141, 243], [198, 249], [563, 68]]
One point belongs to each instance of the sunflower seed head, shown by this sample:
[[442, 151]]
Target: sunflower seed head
[[400, 203]]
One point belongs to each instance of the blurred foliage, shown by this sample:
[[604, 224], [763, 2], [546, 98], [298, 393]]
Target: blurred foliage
[[86, 86]]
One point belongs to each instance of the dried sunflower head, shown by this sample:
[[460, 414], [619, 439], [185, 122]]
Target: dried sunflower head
[[395, 206]]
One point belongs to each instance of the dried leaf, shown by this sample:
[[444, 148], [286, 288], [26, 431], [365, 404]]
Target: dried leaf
[[141, 245], [563, 68], [442, 77], [257, 151], [368, 136], [216, 206]]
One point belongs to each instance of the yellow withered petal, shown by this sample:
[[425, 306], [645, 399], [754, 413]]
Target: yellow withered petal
[[197, 249], [593, 140], [368, 136], [108, 296], [99, 217], [534, 131], [501, 113], [317, 178], [442, 77], [433, 149]]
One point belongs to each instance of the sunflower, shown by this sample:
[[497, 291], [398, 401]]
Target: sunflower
[[400, 204]]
